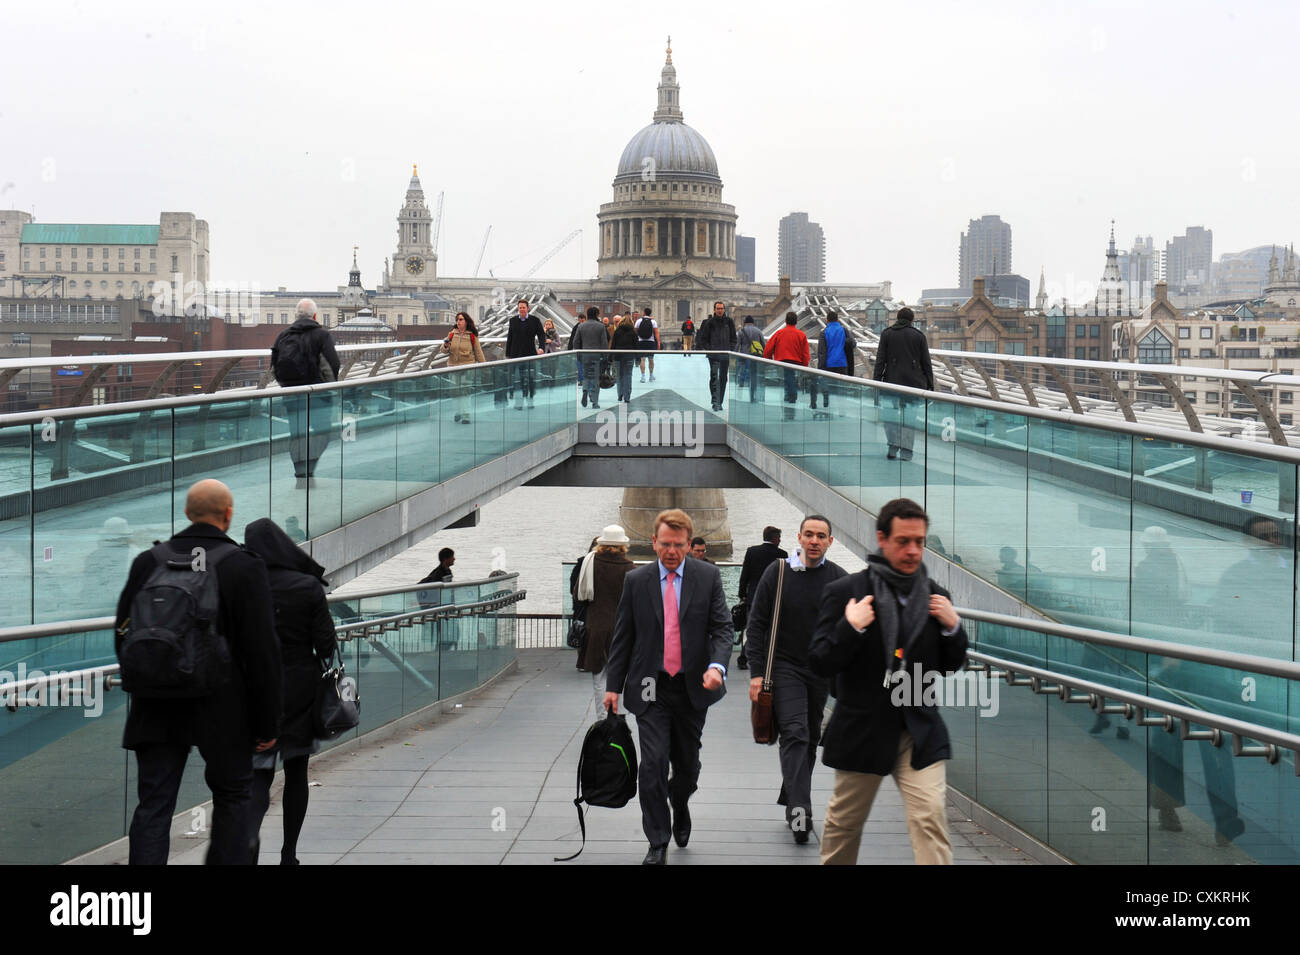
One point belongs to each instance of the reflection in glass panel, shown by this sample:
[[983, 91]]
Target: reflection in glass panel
[[103, 491]]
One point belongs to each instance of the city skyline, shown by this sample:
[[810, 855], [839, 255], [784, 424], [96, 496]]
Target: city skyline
[[293, 160]]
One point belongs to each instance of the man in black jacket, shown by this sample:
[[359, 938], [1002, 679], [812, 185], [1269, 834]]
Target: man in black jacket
[[717, 333], [902, 358], [798, 695], [756, 561], [304, 354], [226, 725], [885, 634], [525, 337]]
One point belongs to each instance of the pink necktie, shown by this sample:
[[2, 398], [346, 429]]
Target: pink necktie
[[672, 630]]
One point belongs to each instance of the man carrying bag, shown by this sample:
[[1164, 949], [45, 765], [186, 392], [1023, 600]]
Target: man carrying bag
[[798, 694]]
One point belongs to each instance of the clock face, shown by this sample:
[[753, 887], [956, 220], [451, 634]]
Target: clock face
[[415, 265]]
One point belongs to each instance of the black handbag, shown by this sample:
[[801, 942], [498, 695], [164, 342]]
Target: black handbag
[[607, 374], [739, 617], [577, 636], [338, 707]]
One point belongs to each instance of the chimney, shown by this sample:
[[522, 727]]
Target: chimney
[[977, 288], [1161, 291], [785, 287]]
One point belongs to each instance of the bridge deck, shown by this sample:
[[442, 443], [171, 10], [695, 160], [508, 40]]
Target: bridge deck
[[430, 795]]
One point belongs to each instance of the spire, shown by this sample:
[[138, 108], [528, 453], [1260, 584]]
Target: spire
[[1272, 267], [1041, 301], [1111, 250], [669, 110], [354, 277]]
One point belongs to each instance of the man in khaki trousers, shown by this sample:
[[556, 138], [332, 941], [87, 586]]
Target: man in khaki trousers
[[885, 634]]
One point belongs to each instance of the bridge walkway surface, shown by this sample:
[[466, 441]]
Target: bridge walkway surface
[[430, 793]]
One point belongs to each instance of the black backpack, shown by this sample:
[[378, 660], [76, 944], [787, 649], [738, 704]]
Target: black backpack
[[645, 329], [606, 770], [170, 645], [295, 361]]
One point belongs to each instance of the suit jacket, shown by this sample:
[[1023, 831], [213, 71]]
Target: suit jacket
[[524, 339], [903, 357], [637, 652], [757, 559], [865, 725], [248, 707]]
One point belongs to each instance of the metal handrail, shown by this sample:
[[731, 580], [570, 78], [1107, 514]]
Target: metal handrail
[[1171, 434], [1136, 706], [90, 624], [1222, 658], [362, 629]]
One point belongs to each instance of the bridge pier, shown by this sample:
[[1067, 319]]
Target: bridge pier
[[706, 506]]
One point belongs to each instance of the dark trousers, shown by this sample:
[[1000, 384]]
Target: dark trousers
[[898, 412], [669, 731], [294, 802], [591, 378], [625, 379], [791, 386], [228, 772], [309, 433], [526, 374], [798, 700], [822, 385], [718, 378]]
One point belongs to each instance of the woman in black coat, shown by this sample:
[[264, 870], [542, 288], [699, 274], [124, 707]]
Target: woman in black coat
[[603, 588], [307, 645]]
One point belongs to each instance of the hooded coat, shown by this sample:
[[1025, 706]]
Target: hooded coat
[[302, 622]]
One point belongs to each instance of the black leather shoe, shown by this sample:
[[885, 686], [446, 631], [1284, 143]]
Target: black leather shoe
[[681, 825], [742, 663], [658, 855], [801, 837]]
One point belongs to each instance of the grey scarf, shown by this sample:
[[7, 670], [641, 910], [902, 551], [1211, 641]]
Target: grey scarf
[[898, 621]]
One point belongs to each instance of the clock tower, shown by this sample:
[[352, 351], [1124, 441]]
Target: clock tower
[[414, 264]]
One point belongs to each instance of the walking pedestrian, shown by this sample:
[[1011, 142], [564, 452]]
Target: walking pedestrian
[[624, 341], [688, 334], [600, 584], [304, 354], [798, 694], [902, 358], [590, 337], [647, 340], [524, 338], [789, 345], [228, 724], [307, 647], [750, 342], [718, 334], [834, 354], [757, 559], [462, 348], [669, 660], [879, 631]]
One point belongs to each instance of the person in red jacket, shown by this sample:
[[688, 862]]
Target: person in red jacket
[[789, 345]]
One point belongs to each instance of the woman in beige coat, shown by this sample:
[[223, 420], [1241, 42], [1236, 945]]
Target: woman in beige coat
[[462, 348]]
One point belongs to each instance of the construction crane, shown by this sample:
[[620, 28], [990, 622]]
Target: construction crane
[[549, 255], [481, 250], [437, 223]]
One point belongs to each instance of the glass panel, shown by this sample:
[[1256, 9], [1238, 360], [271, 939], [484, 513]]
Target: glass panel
[[1222, 525], [227, 440], [103, 488], [317, 452], [1077, 563], [368, 449], [16, 523], [62, 773]]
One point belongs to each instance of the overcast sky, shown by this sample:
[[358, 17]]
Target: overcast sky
[[292, 127]]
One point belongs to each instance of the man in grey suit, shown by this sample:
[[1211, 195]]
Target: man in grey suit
[[672, 641]]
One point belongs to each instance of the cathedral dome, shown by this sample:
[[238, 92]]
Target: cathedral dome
[[668, 147], [673, 148]]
